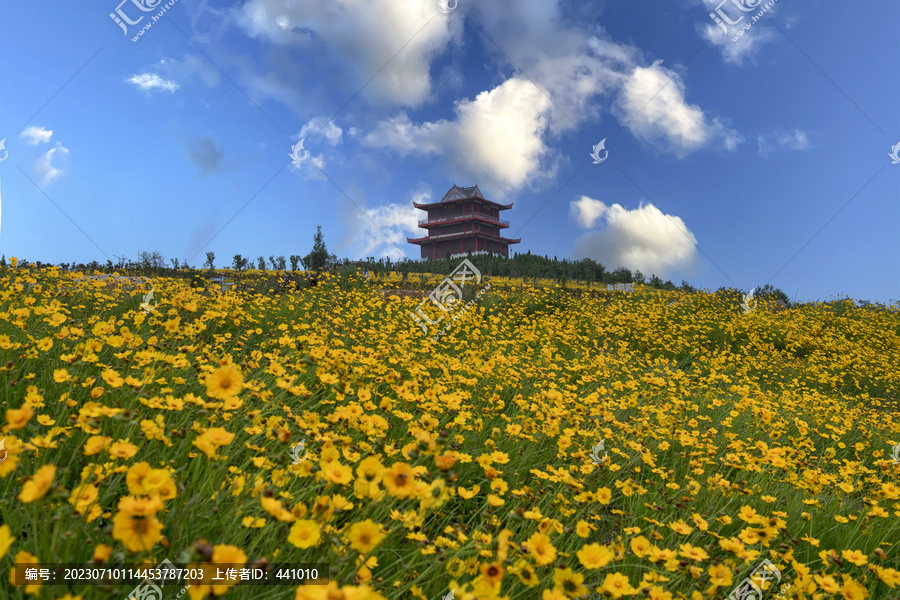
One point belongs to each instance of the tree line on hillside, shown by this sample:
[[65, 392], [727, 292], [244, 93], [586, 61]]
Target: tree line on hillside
[[521, 266]]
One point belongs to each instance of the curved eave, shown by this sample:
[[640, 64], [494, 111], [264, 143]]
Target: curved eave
[[457, 236], [449, 202]]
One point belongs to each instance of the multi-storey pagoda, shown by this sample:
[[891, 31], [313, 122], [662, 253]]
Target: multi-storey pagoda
[[463, 222]]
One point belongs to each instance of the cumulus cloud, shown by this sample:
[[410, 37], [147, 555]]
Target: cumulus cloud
[[45, 168], [586, 211], [654, 106], [792, 140], [503, 137], [554, 75], [36, 135], [722, 32], [396, 40], [323, 127], [382, 231], [152, 81], [643, 239], [496, 138], [206, 154]]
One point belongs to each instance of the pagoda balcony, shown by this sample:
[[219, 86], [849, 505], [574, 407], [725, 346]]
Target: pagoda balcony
[[461, 217]]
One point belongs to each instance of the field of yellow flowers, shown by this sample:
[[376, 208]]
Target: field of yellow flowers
[[136, 431]]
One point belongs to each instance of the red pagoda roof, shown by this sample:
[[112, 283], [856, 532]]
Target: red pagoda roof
[[457, 194], [450, 236]]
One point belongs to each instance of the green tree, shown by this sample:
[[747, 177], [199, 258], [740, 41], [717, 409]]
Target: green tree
[[261, 263], [295, 260], [238, 262], [210, 259], [318, 258]]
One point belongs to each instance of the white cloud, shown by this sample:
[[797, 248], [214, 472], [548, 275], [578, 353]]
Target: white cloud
[[44, 166], [323, 127], [496, 139], [36, 135], [554, 75], [382, 231], [151, 81], [734, 51], [653, 104], [792, 140], [395, 39], [503, 138], [586, 211], [643, 239]]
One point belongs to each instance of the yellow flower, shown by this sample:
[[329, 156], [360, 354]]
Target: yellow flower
[[335, 472], [569, 583], [225, 382], [855, 556], [720, 575], [17, 418], [827, 583], [582, 529], [617, 585], [890, 576], [304, 534], [96, 444], [853, 590], [6, 540], [23, 559], [541, 549], [526, 574], [681, 527], [492, 573], [112, 378], [102, 553], [38, 485], [467, 494], [594, 556], [137, 533], [219, 436], [400, 480], [692, 553], [274, 507], [604, 495], [253, 522], [700, 522], [364, 536], [640, 545], [122, 449]]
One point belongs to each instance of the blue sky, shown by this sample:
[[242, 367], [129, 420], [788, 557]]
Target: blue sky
[[731, 163]]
